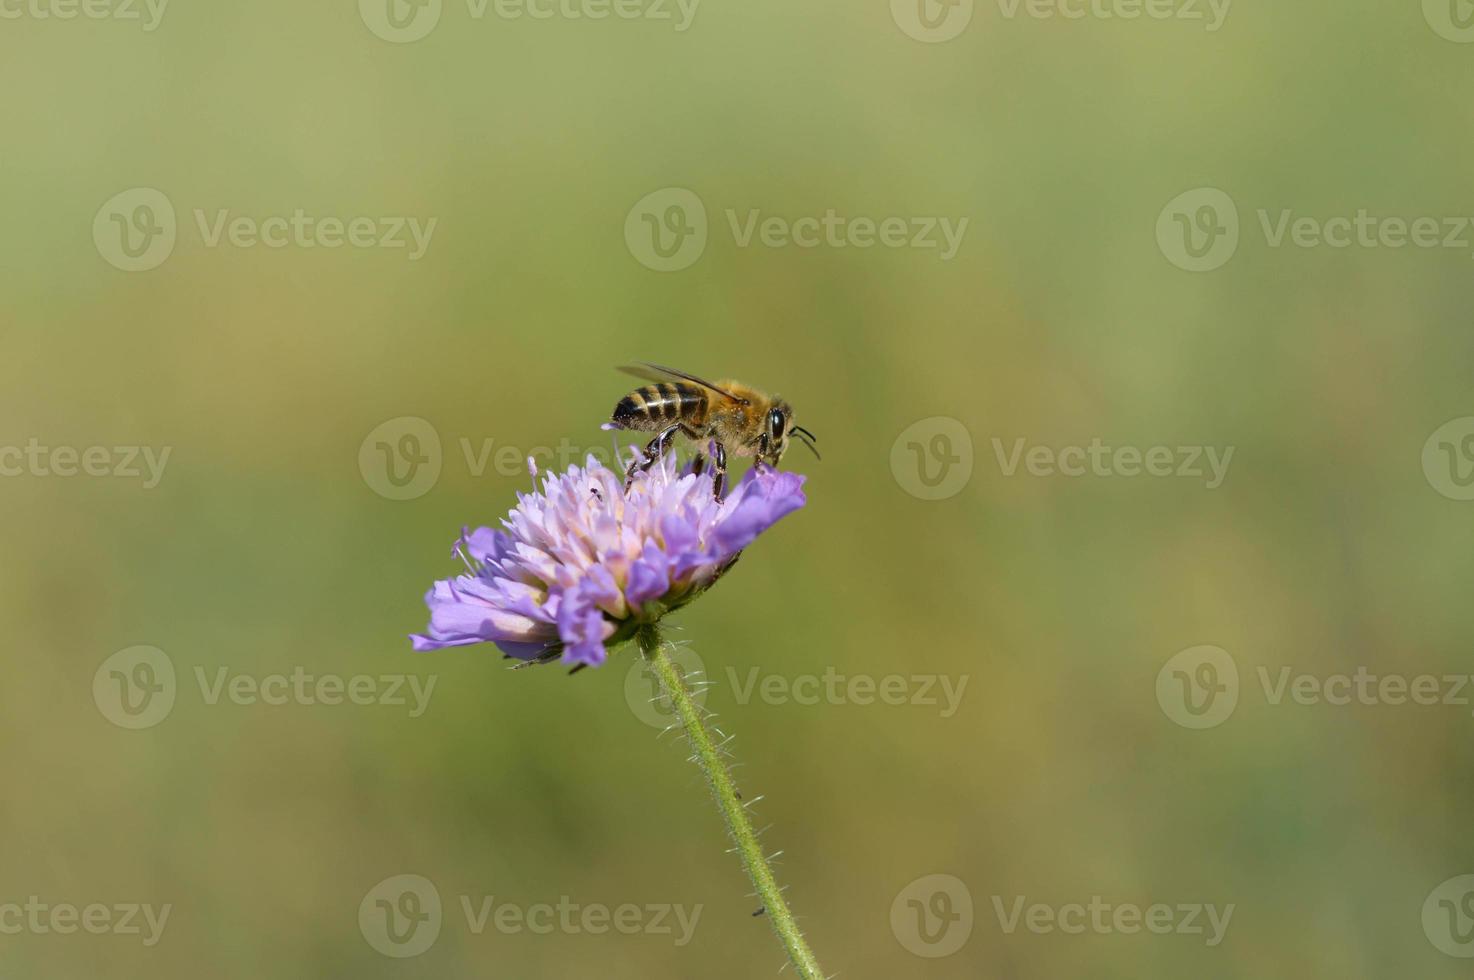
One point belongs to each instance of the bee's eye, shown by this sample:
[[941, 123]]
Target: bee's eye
[[775, 424]]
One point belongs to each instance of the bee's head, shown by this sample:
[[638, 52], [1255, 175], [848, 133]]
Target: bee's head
[[777, 427]]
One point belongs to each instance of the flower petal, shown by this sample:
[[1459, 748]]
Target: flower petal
[[762, 501], [579, 561], [649, 576]]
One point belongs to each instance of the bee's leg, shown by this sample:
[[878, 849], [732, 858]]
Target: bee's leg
[[718, 469], [762, 450], [698, 461], [654, 449]]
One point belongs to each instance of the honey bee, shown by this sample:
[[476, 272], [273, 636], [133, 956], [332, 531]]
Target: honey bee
[[735, 417]]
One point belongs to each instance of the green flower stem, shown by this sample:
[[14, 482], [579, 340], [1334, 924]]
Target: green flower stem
[[709, 757]]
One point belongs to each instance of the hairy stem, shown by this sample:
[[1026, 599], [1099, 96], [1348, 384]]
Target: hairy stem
[[724, 791]]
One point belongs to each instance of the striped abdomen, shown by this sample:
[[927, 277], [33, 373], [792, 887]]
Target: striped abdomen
[[659, 405]]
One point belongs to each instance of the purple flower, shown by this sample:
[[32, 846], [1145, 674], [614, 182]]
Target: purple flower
[[580, 566]]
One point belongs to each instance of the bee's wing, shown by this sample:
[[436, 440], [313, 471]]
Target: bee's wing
[[656, 372]]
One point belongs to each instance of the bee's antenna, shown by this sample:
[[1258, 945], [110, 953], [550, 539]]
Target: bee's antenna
[[804, 438], [799, 428]]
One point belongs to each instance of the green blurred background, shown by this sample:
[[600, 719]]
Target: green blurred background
[[265, 548]]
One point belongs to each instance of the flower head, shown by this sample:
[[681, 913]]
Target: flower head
[[578, 567]]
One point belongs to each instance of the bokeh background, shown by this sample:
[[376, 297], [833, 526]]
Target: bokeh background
[[266, 548]]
